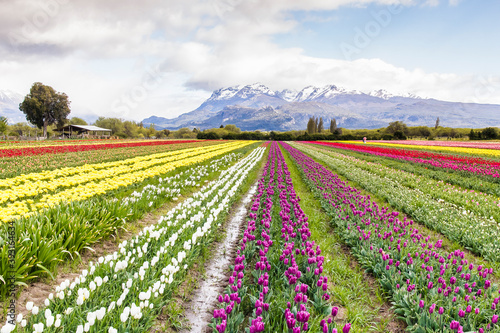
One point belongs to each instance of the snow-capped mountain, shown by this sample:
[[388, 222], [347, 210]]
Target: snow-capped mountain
[[309, 93], [288, 95], [381, 93], [256, 106], [384, 94], [9, 106], [242, 92]]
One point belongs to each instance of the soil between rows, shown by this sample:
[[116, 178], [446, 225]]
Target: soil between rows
[[199, 308]]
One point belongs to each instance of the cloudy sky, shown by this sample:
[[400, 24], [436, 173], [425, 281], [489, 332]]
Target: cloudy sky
[[133, 59]]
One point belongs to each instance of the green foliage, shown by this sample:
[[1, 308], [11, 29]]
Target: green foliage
[[472, 135], [22, 129], [114, 124], [43, 106], [3, 125], [183, 133], [419, 131], [207, 136], [489, 133], [280, 136], [77, 121], [397, 126], [399, 135], [163, 134], [310, 126], [320, 125], [232, 128], [333, 126]]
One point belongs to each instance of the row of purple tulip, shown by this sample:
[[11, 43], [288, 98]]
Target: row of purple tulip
[[417, 272], [275, 249]]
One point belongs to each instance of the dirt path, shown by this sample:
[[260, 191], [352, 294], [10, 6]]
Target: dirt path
[[199, 309]]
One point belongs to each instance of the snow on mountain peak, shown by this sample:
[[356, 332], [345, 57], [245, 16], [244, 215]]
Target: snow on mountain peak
[[410, 95], [254, 89], [241, 92], [288, 95], [10, 96], [384, 94], [381, 93], [309, 93], [224, 93]]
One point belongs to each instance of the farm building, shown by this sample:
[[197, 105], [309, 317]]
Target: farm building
[[85, 131]]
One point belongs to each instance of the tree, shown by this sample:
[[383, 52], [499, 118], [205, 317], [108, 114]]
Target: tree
[[425, 131], [77, 121], [221, 126], [437, 123], [399, 135], [333, 126], [3, 125], [184, 133], [310, 126], [397, 126], [472, 135], [489, 133], [320, 125], [130, 129], [316, 125], [232, 128], [151, 131], [114, 124], [43, 106], [21, 129]]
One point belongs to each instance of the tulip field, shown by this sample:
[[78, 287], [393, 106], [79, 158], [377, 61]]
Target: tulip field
[[416, 222]]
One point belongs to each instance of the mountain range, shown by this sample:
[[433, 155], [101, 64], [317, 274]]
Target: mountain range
[[256, 107]]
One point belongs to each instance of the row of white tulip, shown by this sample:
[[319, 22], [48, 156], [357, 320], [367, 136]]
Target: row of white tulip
[[123, 291], [171, 186]]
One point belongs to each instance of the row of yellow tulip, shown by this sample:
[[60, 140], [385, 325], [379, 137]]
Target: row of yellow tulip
[[92, 188], [32, 179], [458, 150]]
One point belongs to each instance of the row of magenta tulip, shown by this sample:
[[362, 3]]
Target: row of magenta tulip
[[472, 182], [433, 290], [277, 271], [488, 168], [478, 202], [473, 231]]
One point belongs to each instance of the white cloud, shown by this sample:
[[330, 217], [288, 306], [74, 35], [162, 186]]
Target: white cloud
[[431, 3], [103, 54]]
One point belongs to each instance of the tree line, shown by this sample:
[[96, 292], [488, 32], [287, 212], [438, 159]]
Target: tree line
[[315, 125]]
